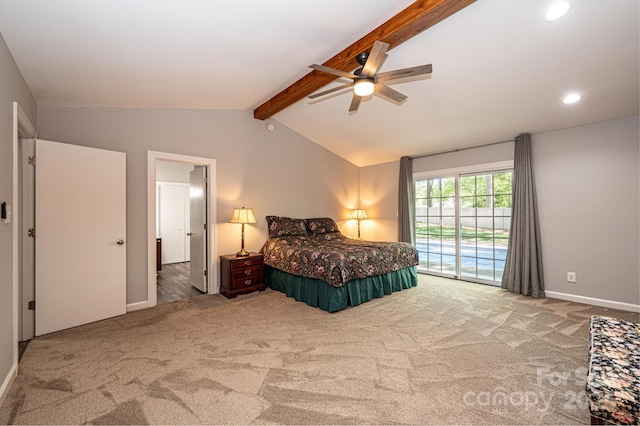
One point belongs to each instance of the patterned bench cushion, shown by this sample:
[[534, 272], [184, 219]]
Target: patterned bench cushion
[[613, 384]]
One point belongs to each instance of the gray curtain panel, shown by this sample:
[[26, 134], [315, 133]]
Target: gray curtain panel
[[523, 268], [406, 202]]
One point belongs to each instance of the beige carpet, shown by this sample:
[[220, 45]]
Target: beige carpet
[[443, 352]]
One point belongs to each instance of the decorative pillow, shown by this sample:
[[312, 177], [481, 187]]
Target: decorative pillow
[[283, 226], [321, 225]]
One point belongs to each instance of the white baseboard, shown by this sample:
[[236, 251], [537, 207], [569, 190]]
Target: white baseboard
[[137, 306], [593, 301], [8, 381]]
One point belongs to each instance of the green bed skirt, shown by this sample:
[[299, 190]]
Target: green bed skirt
[[319, 294]]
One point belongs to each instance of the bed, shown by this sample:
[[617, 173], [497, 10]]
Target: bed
[[311, 261]]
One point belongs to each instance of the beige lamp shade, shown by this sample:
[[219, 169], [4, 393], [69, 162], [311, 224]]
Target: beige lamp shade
[[358, 214], [243, 216]]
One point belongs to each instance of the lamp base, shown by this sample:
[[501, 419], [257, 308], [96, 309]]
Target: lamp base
[[242, 253]]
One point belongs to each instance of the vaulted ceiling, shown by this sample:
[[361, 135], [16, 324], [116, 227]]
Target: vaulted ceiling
[[498, 68]]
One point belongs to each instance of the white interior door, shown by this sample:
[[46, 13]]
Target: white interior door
[[80, 225], [198, 221], [174, 222]]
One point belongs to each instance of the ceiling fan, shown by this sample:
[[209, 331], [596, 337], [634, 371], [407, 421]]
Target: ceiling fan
[[365, 79]]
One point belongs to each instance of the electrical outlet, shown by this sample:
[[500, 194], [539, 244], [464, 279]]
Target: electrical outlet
[[571, 277]]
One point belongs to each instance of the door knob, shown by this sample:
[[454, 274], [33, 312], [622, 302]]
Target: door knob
[[120, 242], [189, 234]]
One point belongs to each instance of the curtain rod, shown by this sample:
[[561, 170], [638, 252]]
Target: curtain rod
[[413, 157]]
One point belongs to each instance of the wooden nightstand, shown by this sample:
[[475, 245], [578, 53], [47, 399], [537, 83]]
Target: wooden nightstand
[[240, 275]]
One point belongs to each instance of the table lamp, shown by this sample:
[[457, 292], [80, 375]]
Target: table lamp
[[358, 214], [243, 216]]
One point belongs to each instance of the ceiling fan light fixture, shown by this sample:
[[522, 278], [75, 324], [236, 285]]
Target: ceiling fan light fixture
[[363, 87], [366, 80]]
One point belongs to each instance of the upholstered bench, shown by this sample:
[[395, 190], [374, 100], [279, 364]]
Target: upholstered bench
[[613, 383]]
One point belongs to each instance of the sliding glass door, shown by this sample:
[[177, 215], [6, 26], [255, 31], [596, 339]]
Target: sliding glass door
[[436, 224], [462, 224]]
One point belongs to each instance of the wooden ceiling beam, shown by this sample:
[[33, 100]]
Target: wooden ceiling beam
[[410, 22]]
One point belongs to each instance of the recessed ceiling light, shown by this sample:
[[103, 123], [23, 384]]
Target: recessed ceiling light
[[556, 11], [571, 98]]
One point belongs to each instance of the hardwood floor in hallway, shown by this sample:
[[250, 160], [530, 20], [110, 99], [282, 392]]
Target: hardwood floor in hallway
[[174, 283]]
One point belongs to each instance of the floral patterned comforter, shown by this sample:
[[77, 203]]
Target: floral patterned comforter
[[336, 259], [613, 384]]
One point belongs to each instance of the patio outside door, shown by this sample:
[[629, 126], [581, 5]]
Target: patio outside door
[[462, 225]]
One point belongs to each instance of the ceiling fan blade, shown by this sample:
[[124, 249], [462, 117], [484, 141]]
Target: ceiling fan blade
[[404, 73], [376, 58], [389, 93], [332, 71], [334, 89], [355, 103]]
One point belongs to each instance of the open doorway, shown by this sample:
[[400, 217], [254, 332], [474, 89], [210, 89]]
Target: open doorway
[[181, 205], [174, 237]]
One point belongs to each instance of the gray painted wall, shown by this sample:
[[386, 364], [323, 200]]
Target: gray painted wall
[[12, 89], [275, 173], [379, 198], [588, 187], [588, 181]]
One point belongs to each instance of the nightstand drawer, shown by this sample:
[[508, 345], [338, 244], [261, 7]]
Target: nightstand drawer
[[244, 263], [246, 282], [242, 273]]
